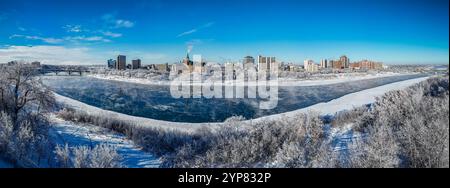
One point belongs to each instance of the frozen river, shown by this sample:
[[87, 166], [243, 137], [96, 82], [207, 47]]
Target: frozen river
[[156, 102]]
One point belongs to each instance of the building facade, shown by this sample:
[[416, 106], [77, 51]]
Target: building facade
[[324, 64], [249, 60], [266, 63], [136, 64], [345, 61], [366, 65], [121, 63], [310, 66]]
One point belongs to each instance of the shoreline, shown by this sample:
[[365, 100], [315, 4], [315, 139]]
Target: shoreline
[[345, 102], [340, 78]]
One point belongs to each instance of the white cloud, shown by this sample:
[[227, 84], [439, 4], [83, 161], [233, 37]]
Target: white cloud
[[56, 55], [73, 28], [111, 34], [187, 32], [124, 23], [87, 39], [74, 39], [111, 20], [60, 55], [209, 24], [43, 39], [21, 29]]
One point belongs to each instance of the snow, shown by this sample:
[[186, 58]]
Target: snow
[[130, 80], [346, 102], [63, 132], [341, 78], [361, 98], [146, 122], [343, 138]]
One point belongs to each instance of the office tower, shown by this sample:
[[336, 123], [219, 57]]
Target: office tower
[[136, 63], [248, 59], [198, 63], [265, 63], [345, 61], [310, 66], [121, 62], [323, 63]]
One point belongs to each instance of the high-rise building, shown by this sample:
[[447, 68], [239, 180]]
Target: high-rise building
[[324, 63], [121, 63], [366, 65], [338, 65], [248, 59], [198, 63], [310, 66], [345, 61], [111, 63], [136, 63], [266, 63]]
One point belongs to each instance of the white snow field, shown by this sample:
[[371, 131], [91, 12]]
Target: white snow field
[[346, 102], [340, 78], [63, 132], [133, 157]]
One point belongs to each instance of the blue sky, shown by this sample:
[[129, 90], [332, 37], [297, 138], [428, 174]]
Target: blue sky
[[159, 31]]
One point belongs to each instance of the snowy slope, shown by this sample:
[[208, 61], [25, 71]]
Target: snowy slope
[[63, 132], [346, 102], [341, 78]]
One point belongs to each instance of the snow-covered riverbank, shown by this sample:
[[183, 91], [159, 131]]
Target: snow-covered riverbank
[[346, 102], [339, 78], [349, 101]]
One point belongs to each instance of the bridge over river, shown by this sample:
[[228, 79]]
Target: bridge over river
[[69, 69]]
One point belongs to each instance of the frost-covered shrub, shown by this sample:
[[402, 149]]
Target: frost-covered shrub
[[63, 156], [354, 115], [292, 143], [160, 141], [407, 128], [104, 156], [234, 119], [378, 150], [24, 146], [81, 157], [100, 156], [6, 132], [231, 145]]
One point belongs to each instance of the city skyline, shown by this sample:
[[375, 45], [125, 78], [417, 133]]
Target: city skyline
[[398, 32]]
